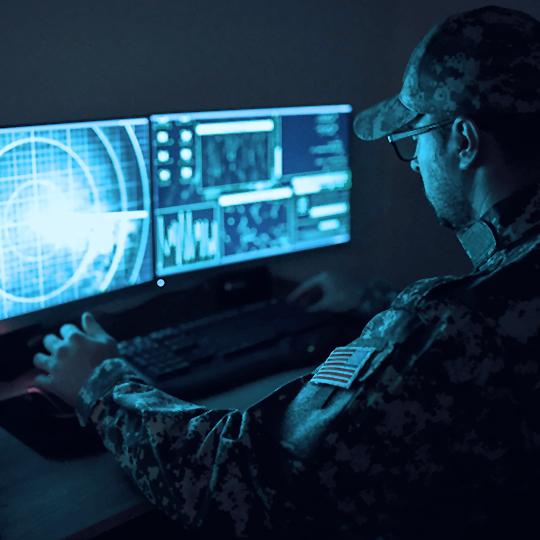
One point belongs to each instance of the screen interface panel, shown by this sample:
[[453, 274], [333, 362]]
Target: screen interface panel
[[75, 213], [230, 186]]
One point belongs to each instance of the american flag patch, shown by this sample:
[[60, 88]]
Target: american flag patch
[[342, 366]]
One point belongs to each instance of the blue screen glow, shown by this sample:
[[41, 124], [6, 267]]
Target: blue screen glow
[[75, 216], [231, 186]]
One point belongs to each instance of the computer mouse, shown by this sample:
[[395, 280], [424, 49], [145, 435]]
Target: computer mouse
[[48, 404], [48, 425]]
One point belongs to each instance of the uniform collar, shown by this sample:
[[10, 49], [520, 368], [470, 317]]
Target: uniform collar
[[503, 224]]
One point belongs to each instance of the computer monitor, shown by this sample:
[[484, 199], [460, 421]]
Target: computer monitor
[[75, 212], [231, 186]]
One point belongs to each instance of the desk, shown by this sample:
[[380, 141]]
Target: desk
[[47, 500]]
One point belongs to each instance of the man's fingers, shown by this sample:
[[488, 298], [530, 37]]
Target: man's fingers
[[313, 286], [43, 361], [67, 330], [51, 342], [302, 289], [91, 326], [43, 381]]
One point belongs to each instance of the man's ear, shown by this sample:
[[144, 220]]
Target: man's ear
[[466, 135]]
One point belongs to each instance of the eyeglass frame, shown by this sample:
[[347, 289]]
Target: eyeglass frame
[[394, 137]]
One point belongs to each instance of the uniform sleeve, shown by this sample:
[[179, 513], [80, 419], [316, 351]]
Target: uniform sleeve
[[426, 436], [198, 465], [245, 472], [309, 455]]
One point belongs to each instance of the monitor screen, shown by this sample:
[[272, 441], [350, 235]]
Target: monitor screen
[[230, 186], [75, 212]]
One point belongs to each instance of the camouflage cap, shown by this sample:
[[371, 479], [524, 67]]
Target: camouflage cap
[[484, 60]]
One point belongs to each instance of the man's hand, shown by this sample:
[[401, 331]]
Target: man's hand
[[328, 291], [73, 356]]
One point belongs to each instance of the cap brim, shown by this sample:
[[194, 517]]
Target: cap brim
[[382, 119]]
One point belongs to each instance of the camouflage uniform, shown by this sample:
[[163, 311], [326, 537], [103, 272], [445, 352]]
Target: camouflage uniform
[[437, 436], [438, 430]]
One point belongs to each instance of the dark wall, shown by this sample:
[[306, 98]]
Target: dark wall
[[83, 60]]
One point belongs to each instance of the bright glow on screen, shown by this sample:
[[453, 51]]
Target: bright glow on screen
[[74, 212], [231, 186]]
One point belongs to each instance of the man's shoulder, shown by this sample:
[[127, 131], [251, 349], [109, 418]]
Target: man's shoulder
[[505, 279], [411, 296], [487, 312], [427, 299], [496, 308]]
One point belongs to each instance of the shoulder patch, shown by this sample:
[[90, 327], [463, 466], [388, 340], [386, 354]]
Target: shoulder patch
[[342, 366]]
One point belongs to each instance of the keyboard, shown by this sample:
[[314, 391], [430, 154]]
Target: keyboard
[[193, 360], [233, 346]]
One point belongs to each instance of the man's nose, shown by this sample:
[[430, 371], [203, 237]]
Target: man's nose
[[414, 166]]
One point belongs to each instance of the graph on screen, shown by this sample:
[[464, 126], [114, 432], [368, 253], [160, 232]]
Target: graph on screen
[[188, 235], [75, 216]]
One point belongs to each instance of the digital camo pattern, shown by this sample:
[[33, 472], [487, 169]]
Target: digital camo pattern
[[438, 437], [382, 119], [485, 60]]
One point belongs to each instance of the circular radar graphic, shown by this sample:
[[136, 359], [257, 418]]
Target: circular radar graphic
[[74, 211]]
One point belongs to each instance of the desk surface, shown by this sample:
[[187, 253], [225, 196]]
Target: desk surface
[[81, 498]]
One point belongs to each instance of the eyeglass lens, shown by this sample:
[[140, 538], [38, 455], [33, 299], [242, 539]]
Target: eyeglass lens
[[406, 148]]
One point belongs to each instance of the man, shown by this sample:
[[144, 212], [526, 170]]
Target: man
[[428, 424]]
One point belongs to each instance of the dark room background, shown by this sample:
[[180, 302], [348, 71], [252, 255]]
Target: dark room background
[[76, 60]]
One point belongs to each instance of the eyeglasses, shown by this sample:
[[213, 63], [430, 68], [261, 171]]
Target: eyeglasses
[[403, 143]]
